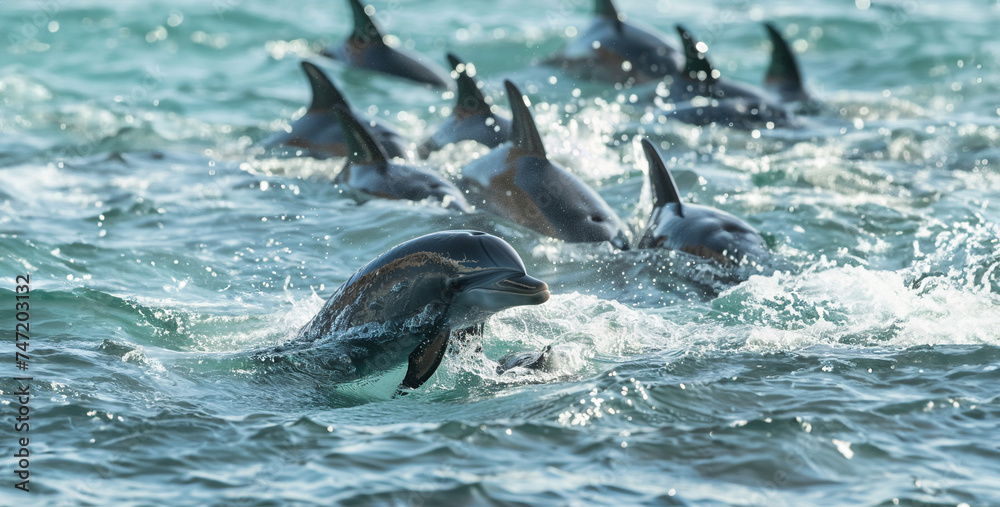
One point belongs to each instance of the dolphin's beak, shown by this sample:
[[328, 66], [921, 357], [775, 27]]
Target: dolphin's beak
[[532, 290], [503, 289]]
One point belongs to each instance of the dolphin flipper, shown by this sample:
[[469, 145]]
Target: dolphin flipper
[[783, 76], [326, 96], [362, 148], [664, 187], [524, 133], [424, 361]]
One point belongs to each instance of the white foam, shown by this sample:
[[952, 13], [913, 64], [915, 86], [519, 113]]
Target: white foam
[[856, 306]]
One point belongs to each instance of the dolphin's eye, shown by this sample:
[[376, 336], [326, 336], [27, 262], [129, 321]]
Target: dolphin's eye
[[596, 218], [457, 285]]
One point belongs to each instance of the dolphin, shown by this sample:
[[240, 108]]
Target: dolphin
[[532, 360], [701, 96], [369, 172], [366, 49], [473, 118], [612, 50], [318, 133], [405, 305], [518, 182], [739, 113], [698, 230]]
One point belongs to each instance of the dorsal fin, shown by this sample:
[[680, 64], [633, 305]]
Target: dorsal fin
[[524, 133], [470, 99], [424, 361], [660, 179], [695, 60], [784, 70], [364, 27], [362, 148], [326, 96], [606, 9]]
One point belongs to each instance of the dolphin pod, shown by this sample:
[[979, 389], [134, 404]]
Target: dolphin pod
[[515, 180], [702, 96], [366, 49], [319, 134], [413, 302], [404, 306]]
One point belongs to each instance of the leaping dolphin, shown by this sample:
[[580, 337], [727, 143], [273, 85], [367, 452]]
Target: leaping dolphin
[[366, 49], [404, 306]]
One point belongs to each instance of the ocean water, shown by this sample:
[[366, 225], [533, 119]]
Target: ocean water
[[162, 247]]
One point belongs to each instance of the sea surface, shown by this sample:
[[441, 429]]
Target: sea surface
[[164, 247]]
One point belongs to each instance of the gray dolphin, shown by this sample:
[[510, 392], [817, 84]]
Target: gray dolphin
[[701, 96], [472, 119], [532, 360], [318, 133], [369, 172], [404, 306], [739, 113], [612, 50], [365, 49], [518, 182], [698, 230]]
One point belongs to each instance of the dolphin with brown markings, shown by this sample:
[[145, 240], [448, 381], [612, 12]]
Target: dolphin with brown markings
[[517, 181], [318, 133], [406, 305], [365, 48]]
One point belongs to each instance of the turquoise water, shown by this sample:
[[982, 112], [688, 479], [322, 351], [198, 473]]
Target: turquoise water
[[161, 250]]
